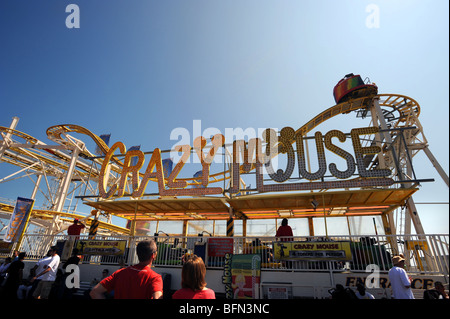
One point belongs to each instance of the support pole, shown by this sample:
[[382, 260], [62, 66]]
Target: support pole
[[230, 227], [185, 232], [7, 137], [389, 229], [378, 114], [436, 165], [62, 194], [311, 226], [64, 188], [36, 187], [230, 223], [325, 216]]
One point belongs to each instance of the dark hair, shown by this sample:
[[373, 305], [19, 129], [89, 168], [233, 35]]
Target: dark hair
[[360, 287], [284, 222], [145, 249], [193, 273], [54, 248], [438, 284]]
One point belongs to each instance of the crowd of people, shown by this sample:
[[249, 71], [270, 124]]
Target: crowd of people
[[40, 282], [139, 281], [46, 279]]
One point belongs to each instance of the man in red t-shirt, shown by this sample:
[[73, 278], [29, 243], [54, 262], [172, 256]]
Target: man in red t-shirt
[[75, 228], [73, 231], [134, 282]]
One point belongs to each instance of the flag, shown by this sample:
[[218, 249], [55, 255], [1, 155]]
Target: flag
[[167, 166], [19, 219], [105, 138], [196, 175], [134, 159]]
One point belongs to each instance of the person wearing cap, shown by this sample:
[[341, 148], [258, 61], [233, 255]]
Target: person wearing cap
[[75, 228], [74, 232], [400, 283]]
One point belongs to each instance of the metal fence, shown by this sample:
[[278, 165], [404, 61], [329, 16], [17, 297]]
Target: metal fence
[[423, 253]]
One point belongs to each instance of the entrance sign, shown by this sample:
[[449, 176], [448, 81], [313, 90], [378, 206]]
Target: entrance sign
[[304, 250], [246, 157], [101, 247]]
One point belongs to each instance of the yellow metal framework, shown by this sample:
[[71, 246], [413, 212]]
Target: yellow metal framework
[[339, 203]]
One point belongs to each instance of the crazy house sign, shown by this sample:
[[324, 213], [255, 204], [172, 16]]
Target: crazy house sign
[[246, 157]]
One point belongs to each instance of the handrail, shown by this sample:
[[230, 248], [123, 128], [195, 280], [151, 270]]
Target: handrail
[[365, 251]]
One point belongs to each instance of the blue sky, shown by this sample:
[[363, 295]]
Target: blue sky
[[139, 69]]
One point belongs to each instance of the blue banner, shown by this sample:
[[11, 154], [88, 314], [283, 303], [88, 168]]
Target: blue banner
[[167, 166], [198, 174], [105, 138], [134, 159]]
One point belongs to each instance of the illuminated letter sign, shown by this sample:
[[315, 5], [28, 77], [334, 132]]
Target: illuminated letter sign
[[155, 171], [360, 151], [340, 152], [245, 159]]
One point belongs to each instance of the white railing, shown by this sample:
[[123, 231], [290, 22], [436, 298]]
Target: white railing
[[423, 253]]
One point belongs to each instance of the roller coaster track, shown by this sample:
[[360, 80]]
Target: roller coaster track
[[56, 133], [26, 155], [67, 217], [399, 111], [399, 107]]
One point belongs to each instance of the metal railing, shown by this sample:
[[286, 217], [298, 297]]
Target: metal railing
[[423, 253]]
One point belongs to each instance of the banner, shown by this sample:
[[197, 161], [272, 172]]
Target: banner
[[167, 166], [304, 250], [19, 219], [198, 176], [101, 247], [105, 138], [245, 274], [134, 159], [219, 247]]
